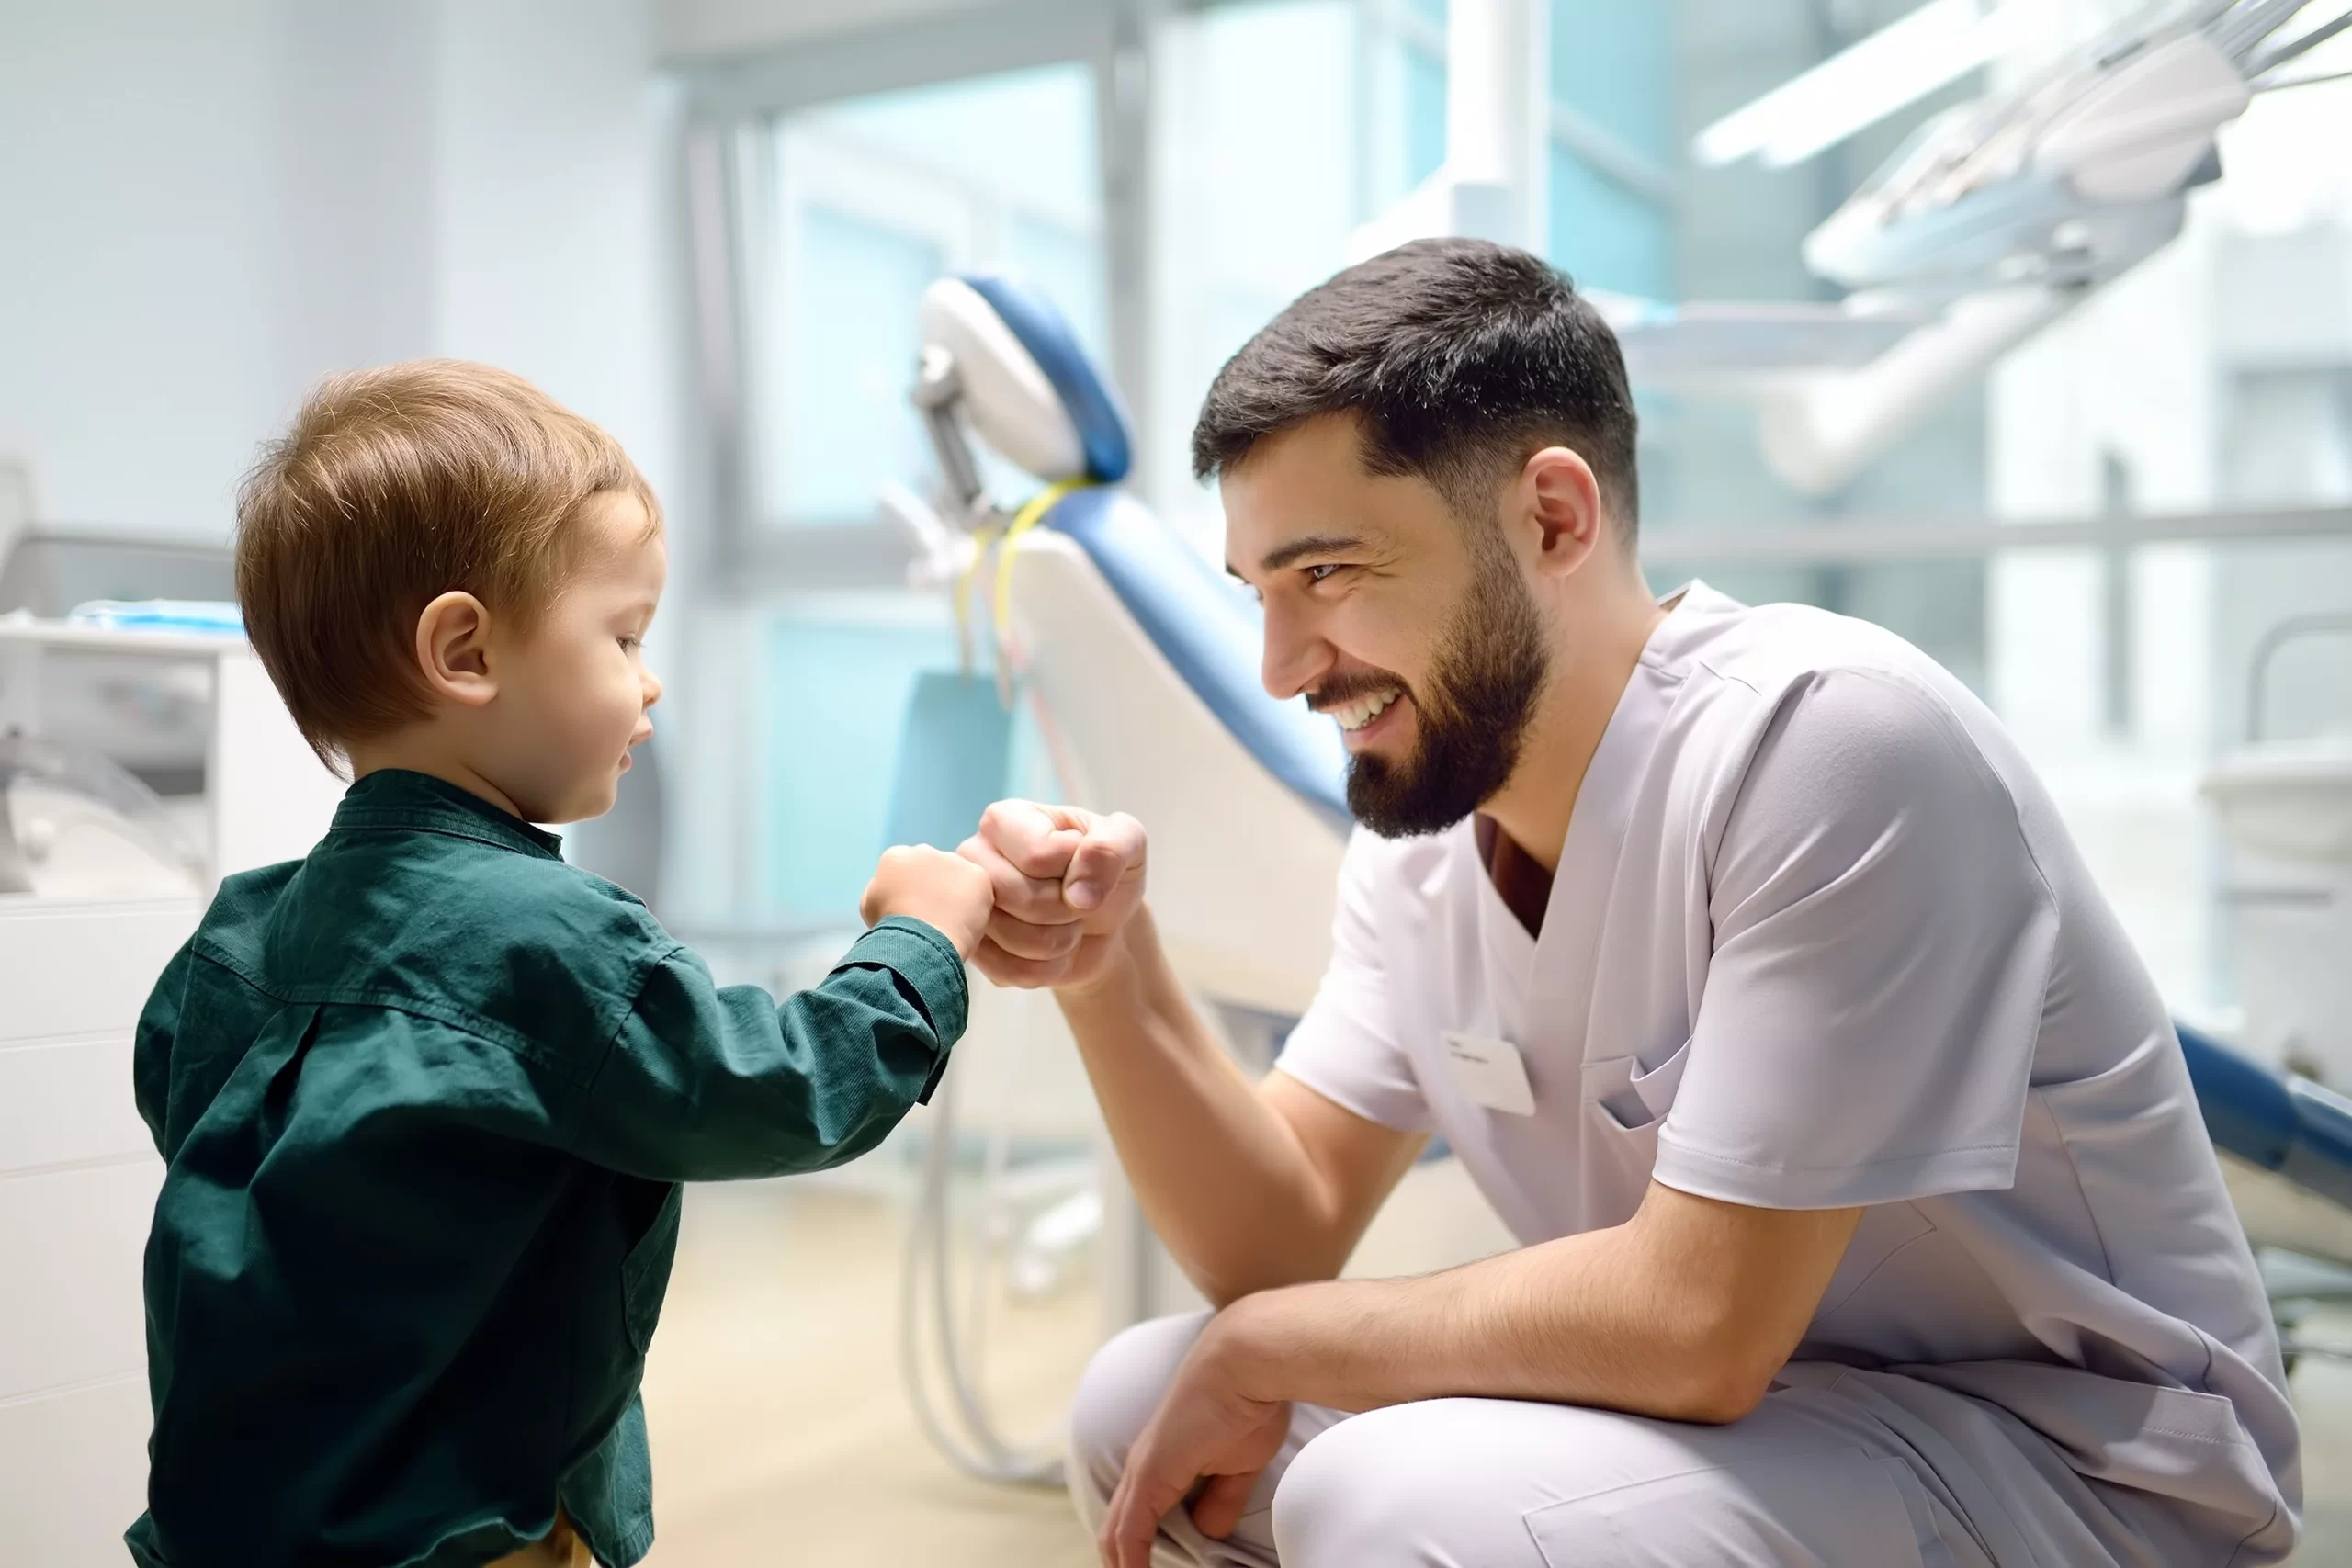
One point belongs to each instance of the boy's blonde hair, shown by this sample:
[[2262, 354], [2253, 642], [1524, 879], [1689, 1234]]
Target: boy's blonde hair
[[396, 486]]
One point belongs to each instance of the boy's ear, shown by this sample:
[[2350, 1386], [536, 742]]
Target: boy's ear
[[453, 650]]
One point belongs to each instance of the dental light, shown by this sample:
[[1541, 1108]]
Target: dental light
[[1992, 221], [1901, 62]]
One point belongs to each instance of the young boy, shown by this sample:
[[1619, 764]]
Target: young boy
[[425, 1097]]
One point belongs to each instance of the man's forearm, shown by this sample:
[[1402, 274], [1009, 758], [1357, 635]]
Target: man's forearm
[[1222, 1178], [1578, 1321]]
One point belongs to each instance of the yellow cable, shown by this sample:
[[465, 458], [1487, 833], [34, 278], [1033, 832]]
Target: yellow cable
[[982, 538], [1033, 511]]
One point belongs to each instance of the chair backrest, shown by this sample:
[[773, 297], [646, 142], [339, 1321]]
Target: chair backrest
[[1029, 389]]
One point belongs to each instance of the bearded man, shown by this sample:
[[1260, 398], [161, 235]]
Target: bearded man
[[1866, 1216]]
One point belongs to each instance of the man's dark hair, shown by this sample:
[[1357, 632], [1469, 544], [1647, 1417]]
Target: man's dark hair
[[1461, 358]]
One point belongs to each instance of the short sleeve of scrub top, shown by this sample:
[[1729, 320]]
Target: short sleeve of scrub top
[[1346, 1048], [1883, 938]]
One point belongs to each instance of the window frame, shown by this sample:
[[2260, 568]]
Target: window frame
[[731, 107]]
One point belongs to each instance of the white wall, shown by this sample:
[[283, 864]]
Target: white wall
[[700, 28], [205, 205], [140, 197], [553, 240]]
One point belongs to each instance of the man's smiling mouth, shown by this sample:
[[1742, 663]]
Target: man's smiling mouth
[[1361, 711]]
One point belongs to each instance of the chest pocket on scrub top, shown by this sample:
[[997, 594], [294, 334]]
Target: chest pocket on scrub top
[[1623, 1096], [645, 1272]]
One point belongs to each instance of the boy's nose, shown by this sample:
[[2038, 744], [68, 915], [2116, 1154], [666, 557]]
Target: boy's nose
[[652, 688]]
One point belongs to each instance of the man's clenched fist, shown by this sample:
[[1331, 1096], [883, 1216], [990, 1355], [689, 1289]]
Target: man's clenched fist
[[1066, 882]]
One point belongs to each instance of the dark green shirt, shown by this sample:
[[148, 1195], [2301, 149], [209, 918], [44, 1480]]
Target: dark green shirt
[[423, 1099]]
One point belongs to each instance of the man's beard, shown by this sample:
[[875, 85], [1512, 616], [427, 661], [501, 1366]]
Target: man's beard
[[1490, 668]]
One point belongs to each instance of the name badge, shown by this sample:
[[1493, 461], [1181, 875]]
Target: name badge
[[1491, 1073]]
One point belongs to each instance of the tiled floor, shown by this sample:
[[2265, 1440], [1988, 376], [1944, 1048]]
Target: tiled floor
[[782, 1435], [2324, 1394]]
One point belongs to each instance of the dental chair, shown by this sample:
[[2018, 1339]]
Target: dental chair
[[1143, 660], [1141, 656]]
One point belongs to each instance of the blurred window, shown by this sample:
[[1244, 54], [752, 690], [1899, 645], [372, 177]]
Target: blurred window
[[853, 209], [867, 202]]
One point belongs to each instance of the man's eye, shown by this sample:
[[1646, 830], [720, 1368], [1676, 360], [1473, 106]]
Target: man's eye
[[1318, 573]]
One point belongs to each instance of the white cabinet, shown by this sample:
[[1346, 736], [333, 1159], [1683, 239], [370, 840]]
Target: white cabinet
[[266, 797], [78, 1177], [78, 1170]]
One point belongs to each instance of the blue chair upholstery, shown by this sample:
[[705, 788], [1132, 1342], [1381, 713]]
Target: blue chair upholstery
[[2275, 1120], [1101, 429]]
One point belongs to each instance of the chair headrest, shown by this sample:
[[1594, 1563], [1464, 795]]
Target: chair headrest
[[1028, 386]]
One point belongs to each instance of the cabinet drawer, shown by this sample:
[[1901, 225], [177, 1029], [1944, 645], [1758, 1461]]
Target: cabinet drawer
[[68, 1102], [75, 969], [74, 1473], [76, 1241]]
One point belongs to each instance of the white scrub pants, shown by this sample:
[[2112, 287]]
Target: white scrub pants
[[1837, 1469]]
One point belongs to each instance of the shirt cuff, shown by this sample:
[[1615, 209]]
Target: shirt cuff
[[919, 954], [1704, 1174]]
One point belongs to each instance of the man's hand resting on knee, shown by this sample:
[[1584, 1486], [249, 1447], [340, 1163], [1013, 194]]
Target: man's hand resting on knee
[[1685, 1313]]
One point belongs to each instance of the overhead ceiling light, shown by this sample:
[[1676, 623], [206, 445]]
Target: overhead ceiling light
[[1900, 64]]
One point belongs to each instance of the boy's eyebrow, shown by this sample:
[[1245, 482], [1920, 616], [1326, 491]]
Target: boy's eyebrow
[[1298, 550]]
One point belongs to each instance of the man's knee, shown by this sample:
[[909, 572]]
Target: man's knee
[[1115, 1398], [1523, 1485], [1390, 1488]]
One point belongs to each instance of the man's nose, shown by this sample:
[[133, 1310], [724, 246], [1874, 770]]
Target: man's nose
[[1294, 658]]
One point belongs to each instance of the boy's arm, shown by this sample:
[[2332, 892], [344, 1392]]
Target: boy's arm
[[709, 1083], [150, 1049]]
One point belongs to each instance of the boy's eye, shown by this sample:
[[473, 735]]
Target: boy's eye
[[632, 642]]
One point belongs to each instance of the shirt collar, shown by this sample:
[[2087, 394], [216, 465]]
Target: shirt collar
[[1694, 614], [395, 797], [1612, 775]]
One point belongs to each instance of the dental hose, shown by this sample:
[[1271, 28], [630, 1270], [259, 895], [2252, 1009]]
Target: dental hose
[[927, 1281], [928, 1286]]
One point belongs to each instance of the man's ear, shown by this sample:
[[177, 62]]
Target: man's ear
[[453, 650], [1559, 497]]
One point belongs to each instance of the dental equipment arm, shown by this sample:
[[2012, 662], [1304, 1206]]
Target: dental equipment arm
[[1686, 1311], [1251, 1186]]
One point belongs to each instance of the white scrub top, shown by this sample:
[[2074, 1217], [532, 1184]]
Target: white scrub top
[[1818, 940]]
